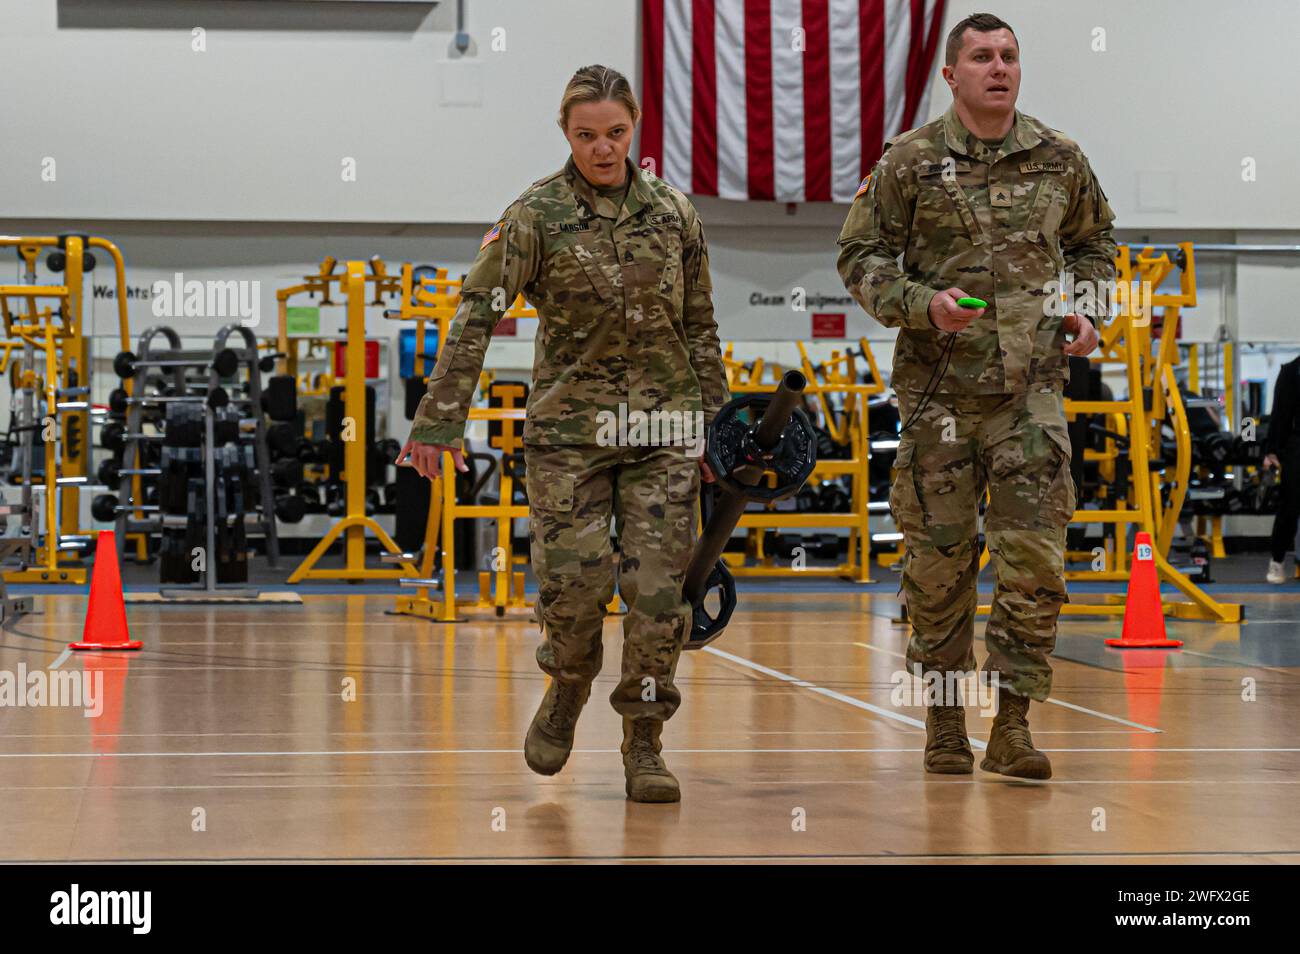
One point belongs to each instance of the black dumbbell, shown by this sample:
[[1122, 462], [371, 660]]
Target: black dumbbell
[[833, 498], [105, 507], [108, 472], [112, 436], [309, 494], [225, 361], [290, 508], [280, 397], [225, 431], [119, 400], [111, 472], [287, 472], [284, 439], [826, 546]]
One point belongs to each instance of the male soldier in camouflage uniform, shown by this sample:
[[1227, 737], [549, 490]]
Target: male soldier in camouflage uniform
[[615, 262], [989, 203]]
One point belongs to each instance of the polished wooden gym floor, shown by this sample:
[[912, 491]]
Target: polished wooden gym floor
[[232, 721]]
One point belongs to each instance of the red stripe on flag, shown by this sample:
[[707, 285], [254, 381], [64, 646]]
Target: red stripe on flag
[[915, 43], [871, 42], [817, 101], [652, 83], [920, 58], [758, 101], [704, 100]]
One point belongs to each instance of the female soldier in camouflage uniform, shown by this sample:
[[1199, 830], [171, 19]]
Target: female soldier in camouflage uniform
[[615, 262]]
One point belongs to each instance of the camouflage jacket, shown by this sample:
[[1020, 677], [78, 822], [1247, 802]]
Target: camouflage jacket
[[1003, 226], [625, 309]]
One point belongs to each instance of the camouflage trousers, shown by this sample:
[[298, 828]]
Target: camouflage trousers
[[651, 493], [1016, 446]]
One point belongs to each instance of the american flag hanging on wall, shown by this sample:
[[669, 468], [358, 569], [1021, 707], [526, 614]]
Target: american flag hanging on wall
[[789, 100]]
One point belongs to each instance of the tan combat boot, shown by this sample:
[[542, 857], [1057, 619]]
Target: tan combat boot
[[947, 749], [1011, 750], [550, 737], [648, 778]]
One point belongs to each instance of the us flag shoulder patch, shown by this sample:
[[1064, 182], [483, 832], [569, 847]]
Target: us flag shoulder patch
[[866, 184], [492, 235]]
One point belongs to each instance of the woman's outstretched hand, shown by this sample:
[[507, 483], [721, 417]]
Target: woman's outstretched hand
[[427, 458]]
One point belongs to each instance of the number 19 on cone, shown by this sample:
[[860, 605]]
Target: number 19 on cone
[[1144, 617]]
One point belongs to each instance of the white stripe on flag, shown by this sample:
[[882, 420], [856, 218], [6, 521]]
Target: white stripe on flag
[[677, 94], [729, 47], [923, 107], [787, 99], [898, 37], [846, 102]]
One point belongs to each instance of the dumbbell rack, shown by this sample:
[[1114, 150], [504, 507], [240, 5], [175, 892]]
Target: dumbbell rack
[[175, 359], [48, 318]]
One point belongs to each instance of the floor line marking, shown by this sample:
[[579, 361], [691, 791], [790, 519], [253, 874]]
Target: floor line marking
[[1104, 715], [1238, 662], [829, 693], [1057, 702]]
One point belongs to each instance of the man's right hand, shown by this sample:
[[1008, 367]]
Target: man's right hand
[[947, 315], [427, 458], [1271, 462]]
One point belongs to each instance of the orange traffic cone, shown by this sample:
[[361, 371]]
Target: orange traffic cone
[[106, 614], [1144, 617]]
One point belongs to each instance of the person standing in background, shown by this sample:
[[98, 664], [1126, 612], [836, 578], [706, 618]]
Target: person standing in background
[[1282, 450]]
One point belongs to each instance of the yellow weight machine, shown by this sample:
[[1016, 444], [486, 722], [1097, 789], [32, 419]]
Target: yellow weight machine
[[48, 319], [352, 284], [1149, 369]]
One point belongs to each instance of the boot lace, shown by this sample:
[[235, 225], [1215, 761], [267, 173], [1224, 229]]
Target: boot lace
[[641, 750], [948, 730], [1015, 728], [1016, 732], [566, 708]]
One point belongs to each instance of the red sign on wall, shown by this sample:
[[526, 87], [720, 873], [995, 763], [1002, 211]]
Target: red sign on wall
[[827, 325], [506, 326], [341, 363]]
